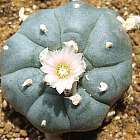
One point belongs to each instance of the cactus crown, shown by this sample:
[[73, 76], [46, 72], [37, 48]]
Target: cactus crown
[[106, 51]]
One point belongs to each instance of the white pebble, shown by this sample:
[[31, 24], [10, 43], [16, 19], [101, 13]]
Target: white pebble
[[103, 87], [4, 104], [34, 6], [43, 123], [133, 65], [0, 91], [134, 77], [131, 99], [125, 116], [111, 113], [29, 10], [133, 55], [109, 44], [117, 118], [43, 28], [27, 82]]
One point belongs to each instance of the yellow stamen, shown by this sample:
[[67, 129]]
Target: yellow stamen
[[62, 71]]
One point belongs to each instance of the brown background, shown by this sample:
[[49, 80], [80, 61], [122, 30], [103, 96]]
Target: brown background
[[124, 125]]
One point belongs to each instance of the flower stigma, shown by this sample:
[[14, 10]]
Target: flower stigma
[[63, 71]]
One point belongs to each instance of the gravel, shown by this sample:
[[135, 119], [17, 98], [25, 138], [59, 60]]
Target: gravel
[[124, 124]]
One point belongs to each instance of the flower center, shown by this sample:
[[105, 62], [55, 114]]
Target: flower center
[[62, 71]]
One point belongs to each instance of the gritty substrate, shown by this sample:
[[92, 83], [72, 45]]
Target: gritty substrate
[[123, 121]]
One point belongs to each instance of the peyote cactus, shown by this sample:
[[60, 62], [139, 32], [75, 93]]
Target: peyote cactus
[[106, 50]]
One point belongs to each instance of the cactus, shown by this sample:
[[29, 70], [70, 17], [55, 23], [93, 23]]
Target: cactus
[[107, 53]]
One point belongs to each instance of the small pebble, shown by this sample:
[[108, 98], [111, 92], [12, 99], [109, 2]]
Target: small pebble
[[23, 133], [117, 118], [111, 113], [4, 104], [8, 127], [16, 135], [29, 10], [125, 116], [34, 6], [137, 87], [133, 55], [1, 124], [133, 65]]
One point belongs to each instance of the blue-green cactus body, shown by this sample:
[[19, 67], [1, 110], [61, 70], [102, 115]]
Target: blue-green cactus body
[[91, 28]]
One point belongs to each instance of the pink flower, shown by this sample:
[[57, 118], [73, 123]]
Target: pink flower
[[62, 67]]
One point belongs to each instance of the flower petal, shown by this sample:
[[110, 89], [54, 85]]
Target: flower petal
[[43, 56], [66, 56], [49, 78], [48, 69], [60, 87], [70, 82]]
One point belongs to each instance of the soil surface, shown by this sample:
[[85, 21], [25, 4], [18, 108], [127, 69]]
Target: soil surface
[[123, 121]]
